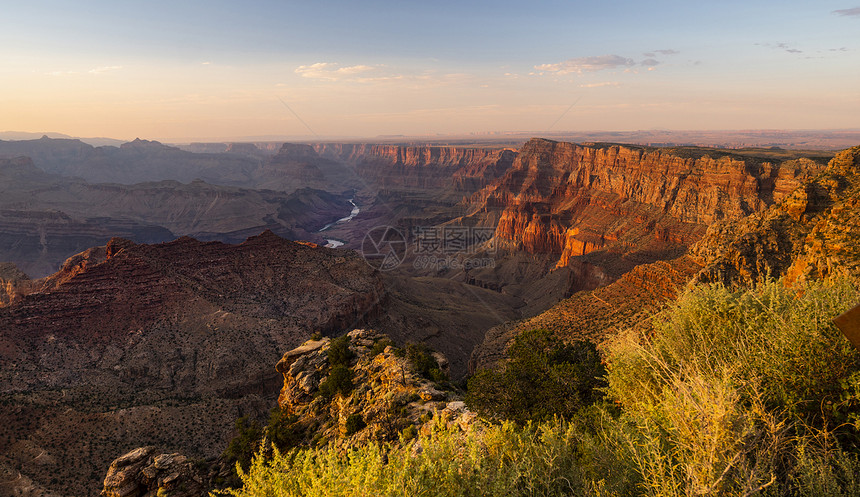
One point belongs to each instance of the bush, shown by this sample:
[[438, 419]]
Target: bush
[[738, 391], [408, 433], [380, 346], [283, 431], [773, 344], [245, 444], [500, 460], [339, 353], [354, 423], [543, 378], [421, 358], [339, 380]]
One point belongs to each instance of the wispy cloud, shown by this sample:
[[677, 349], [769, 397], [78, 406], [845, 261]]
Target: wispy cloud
[[104, 69], [329, 71], [600, 85], [787, 48], [650, 62], [587, 64], [855, 12], [781, 46], [667, 51]]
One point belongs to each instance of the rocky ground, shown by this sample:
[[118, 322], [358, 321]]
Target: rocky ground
[[389, 398]]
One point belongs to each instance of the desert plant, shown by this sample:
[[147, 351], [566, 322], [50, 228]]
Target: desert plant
[[734, 388], [245, 444], [543, 378], [379, 346], [339, 353], [354, 423], [339, 380], [283, 429], [775, 343], [498, 460], [408, 433], [421, 359]]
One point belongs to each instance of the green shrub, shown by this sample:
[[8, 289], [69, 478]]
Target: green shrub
[[499, 460], [775, 344], [339, 380], [245, 444], [283, 429], [354, 423], [408, 433], [379, 346], [339, 353], [738, 391], [422, 361], [543, 378]]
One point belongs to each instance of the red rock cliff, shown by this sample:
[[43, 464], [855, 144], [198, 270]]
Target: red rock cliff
[[465, 169], [574, 199]]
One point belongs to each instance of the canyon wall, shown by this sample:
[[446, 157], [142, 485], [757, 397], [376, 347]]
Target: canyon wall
[[804, 227], [812, 233], [422, 166], [575, 199]]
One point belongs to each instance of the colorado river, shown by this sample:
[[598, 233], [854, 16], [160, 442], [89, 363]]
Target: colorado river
[[337, 243]]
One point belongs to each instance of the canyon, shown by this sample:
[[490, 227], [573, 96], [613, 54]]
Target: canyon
[[155, 301]]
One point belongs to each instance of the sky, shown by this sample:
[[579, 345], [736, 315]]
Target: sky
[[216, 70]]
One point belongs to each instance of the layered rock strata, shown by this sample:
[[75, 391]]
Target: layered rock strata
[[424, 167], [812, 233], [575, 199]]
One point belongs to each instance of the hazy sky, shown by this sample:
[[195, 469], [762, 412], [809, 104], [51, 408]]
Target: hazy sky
[[178, 71]]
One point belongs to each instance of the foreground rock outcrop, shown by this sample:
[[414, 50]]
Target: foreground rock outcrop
[[143, 473], [387, 394], [389, 398]]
